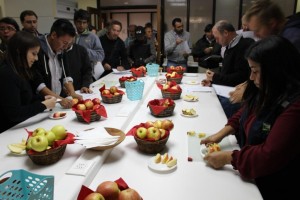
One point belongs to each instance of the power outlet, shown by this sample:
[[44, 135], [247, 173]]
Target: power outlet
[[81, 167]]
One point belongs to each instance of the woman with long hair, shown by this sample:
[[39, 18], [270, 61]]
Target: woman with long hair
[[19, 102], [267, 126]]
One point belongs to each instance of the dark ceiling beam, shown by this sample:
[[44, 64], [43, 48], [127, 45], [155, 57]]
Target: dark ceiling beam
[[127, 7]]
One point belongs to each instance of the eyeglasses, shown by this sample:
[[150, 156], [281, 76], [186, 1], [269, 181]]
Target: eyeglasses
[[9, 28]]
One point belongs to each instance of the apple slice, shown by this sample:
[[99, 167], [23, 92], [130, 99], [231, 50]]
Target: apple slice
[[157, 158], [164, 158], [169, 159], [172, 163], [15, 149]]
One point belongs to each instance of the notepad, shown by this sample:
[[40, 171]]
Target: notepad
[[223, 90]]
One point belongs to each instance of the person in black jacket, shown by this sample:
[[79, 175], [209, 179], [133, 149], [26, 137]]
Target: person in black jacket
[[19, 101], [52, 77], [140, 51], [235, 68], [78, 63], [114, 49], [206, 47]]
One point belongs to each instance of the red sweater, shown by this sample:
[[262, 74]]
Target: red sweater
[[278, 150]]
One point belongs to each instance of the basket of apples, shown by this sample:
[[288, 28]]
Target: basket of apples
[[89, 110], [47, 147], [111, 190], [126, 78], [170, 90], [151, 137], [139, 72], [174, 76], [161, 107], [179, 69], [111, 95]]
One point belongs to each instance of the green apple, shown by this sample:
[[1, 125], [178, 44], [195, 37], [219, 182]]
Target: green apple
[[50, 137], [28, 144], [39, 131], [141, 132], [59, 131], [94, 196], [39, 143], [153, 133]]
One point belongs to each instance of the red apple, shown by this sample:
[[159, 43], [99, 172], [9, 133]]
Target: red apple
[[74, 101], [141, 132], [129, 194], [172, 67], [165, 87], [81, 106], [116, 93], [148, 124], [96, 107], [94, 196], [96, 101], [88, 104], [175, 87], [166, 103], [109, 190], [113, 89], [106, 92], [178, 68], [153, 133], [162, 132], [157, 123], [167, 124], [173, 74]]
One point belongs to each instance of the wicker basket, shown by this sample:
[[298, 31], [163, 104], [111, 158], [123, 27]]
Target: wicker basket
[[171, 95], [122, 84], [47, 157], [94, 117], [112, 99], [138, 75], [165, 113], [151, 147], [177, 80]]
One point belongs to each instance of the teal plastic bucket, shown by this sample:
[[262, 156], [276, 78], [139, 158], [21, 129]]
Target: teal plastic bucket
[[152, 69], [134, 89]]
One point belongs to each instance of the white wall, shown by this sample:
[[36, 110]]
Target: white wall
[[46, 10]]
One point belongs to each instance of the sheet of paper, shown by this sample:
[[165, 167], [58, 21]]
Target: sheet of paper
[[98, 70], [187, 49], [198, 88], [115, 71], [223, 90]]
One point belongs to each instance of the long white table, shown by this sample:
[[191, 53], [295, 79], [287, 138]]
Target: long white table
[[190, 180]]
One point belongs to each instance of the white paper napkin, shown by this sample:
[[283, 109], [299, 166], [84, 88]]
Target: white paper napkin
[[95, 137]]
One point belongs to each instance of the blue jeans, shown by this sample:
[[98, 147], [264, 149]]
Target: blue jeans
[[172, 63], [228, 107]]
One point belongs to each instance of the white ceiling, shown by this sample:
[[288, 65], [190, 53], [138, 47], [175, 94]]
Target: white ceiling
[[127, 2]]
